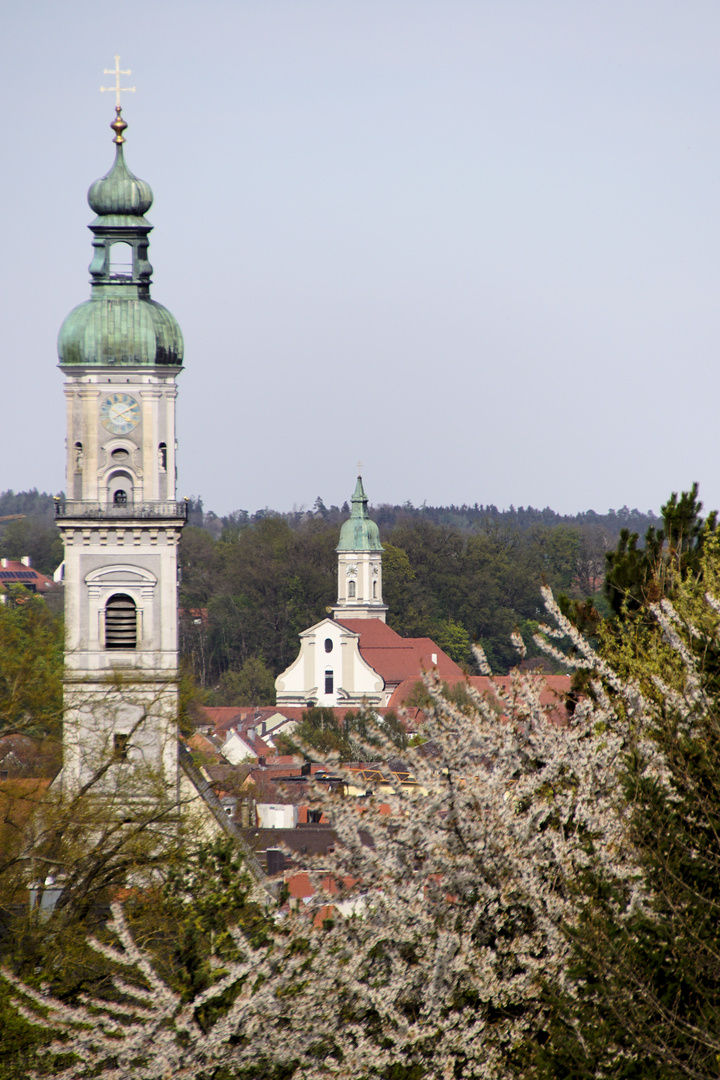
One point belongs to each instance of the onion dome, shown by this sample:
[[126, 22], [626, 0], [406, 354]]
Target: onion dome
[[115, 332], [120, 191], [120, 324], [359, 533]]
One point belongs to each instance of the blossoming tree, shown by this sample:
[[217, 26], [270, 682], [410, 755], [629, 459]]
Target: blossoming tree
[[461, 898]]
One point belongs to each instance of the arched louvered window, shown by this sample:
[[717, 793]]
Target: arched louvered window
[[120, 622], [351, 589]]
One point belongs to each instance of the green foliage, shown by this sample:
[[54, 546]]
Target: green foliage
[[352, 738], [31, 664], [454, 639], [637, 576], [647, 997], [32, 537], [253, 684], [203, 896], [252, 592]]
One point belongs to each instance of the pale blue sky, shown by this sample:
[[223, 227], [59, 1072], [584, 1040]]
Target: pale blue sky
[[473, 243]]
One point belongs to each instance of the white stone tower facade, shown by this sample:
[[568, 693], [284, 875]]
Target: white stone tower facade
[[120, 353]]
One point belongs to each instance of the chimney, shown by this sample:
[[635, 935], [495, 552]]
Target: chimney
[[433, 657], [26, 560], [3, 563]]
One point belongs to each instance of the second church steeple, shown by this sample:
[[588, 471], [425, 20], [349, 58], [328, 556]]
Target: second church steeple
[[359, 564]]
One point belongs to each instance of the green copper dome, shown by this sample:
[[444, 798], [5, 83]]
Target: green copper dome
[[116, 331], [359, 533], [120, 324], [119, 191]]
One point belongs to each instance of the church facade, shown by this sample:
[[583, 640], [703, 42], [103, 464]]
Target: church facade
[[355, 658], [120, 353]]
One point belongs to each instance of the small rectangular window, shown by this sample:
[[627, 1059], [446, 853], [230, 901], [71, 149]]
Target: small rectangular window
[[329, 682], [120, 746]]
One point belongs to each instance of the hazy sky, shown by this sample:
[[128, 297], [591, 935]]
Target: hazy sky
[[472, 243]]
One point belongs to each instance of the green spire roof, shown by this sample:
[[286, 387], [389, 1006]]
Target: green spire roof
[[120, 324], [359, 533]]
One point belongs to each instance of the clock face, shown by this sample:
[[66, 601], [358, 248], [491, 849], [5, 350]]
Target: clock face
[[120, 413]]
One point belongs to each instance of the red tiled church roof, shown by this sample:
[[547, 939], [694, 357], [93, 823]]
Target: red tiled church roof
[[396, 658]]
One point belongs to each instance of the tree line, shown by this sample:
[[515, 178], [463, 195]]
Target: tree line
[[250, 583], [250, 587]]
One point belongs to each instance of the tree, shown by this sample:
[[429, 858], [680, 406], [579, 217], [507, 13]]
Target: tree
[[636, 577], [33, 537], [454, 639], [31, 659], [253, 684], [645, 999]]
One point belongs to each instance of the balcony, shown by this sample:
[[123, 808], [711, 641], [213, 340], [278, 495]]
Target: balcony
[[140, 511]]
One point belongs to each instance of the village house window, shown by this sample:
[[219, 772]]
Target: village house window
[[120, 622], [351, 588], [314, 816], [329, 682]]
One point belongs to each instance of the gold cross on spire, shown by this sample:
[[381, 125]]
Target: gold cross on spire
[[117, 72]]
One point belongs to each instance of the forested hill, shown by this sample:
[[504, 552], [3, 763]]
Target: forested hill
[[466, 518]]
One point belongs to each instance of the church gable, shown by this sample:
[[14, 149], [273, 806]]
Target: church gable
[[329, 670]]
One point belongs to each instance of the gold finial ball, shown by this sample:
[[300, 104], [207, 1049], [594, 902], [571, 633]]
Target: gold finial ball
[[118, 125]]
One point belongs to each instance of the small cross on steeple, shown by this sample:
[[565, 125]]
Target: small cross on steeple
[[117, 72], [359, 468]]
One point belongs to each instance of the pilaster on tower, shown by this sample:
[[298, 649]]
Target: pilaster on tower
[[359, 564], [120, 353]]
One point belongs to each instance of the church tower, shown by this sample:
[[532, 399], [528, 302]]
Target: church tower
[[120, 353], [359, 564]]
